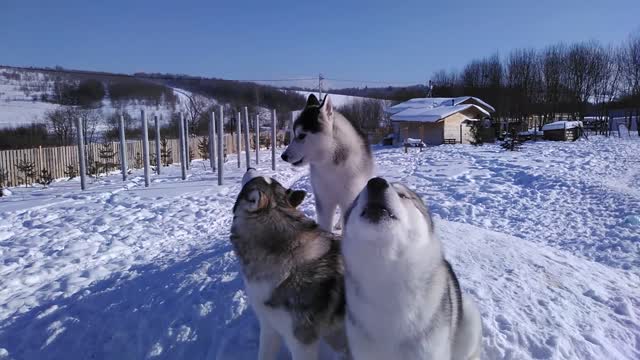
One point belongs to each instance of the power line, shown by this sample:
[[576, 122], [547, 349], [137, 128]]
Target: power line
[[373, 81]]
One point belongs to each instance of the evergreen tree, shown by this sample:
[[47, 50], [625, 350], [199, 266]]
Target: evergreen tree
[[203, 148], [27, 171], [45, 178], [107, 154], [137, 161], [165, 152]]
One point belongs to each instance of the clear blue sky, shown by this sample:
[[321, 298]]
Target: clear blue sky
[[388, 41]]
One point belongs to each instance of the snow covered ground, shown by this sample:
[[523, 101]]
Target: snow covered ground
[[546, 240]]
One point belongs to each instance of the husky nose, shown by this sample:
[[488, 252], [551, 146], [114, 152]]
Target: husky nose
[[285, 157], [377, 185]]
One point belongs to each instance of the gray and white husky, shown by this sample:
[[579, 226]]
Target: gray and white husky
[[293, 270], [338, 155], [404, 300]]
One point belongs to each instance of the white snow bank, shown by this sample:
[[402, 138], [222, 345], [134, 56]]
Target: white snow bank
[[557, 125]]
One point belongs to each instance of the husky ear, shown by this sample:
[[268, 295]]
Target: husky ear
[[326, 106], [312, 100], [295, 197]]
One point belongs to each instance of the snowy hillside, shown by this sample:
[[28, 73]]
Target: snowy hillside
[[546, 240], [337, 100], [20, 100]]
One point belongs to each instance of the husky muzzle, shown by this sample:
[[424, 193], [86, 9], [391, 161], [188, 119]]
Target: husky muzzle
[[376, 206]]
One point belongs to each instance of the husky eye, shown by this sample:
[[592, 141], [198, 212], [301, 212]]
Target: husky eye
[[302, 136], [403, 196]]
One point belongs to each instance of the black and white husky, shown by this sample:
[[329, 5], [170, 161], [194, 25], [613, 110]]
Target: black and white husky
[[404, 300], [292, 269], [338, 155]]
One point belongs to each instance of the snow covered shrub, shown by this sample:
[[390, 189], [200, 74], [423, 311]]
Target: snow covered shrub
[[45, 178], [4, 180], [512, 142], [71, 172]]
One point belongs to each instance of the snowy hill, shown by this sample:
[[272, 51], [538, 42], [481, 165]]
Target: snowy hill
[[337, 100], [21, 102], [546, 240]]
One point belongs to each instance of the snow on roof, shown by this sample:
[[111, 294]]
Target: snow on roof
[[432, 114], [431, 103], [557, 125]]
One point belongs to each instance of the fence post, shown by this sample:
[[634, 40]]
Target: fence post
[[183, 166], [273, 139], [123, 150], [238, 136], [186, 142], [247, 152], [220, 145], [81, 156], [212, 141], [257, 139], [145, 147], [158, 155]]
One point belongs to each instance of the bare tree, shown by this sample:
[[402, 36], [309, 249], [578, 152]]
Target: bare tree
[[196, 109], [61, 124], [523, 82], [582, 68], [607, 79], [365, 115], [630, 64], [552, 65], [90, 118]]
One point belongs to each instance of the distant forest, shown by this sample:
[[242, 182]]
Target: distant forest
[[572, 80]]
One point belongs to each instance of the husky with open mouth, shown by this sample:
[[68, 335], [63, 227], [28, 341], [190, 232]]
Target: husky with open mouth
[[404, 300]]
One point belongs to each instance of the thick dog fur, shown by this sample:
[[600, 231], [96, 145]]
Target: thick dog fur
[[338, 155], [404, 300], [293, 270]]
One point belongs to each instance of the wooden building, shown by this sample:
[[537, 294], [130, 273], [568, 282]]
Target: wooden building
[[438, 121]]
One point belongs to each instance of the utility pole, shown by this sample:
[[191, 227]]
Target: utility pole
[[320, 78]]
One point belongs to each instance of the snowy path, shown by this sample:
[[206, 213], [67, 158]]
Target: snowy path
[[544, 240]]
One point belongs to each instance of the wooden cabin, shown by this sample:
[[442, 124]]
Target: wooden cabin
[[438, 121]]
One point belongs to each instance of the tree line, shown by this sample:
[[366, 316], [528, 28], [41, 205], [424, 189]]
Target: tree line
[[571, 80]]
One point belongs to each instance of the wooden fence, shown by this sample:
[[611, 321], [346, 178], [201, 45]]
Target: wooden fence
[[57, 160]]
